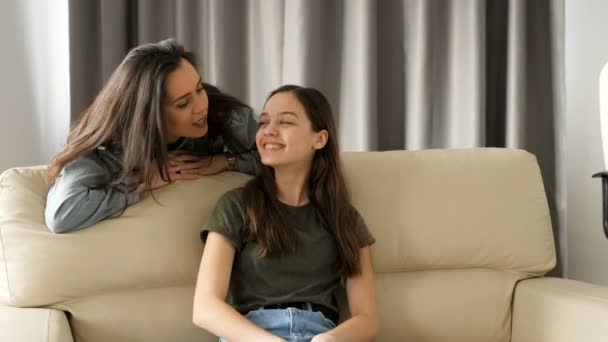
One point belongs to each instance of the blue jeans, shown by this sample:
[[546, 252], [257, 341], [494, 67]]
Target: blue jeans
[[292, 324]]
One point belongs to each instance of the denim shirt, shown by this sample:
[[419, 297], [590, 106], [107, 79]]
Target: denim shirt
[[80, 197]]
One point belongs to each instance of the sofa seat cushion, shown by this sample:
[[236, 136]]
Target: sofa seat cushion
[[153, 315], [33, 325], [468, 305]]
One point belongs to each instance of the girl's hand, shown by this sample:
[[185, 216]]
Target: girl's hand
[[325, 337]]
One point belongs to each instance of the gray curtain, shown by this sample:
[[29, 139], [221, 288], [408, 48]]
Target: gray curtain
[[401, 74]]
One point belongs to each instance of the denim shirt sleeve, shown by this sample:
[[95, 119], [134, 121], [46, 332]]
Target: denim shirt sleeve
[[244, 126], [76, 201]]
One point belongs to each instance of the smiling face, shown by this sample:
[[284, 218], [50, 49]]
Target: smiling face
[[285, 136], [185, 105]]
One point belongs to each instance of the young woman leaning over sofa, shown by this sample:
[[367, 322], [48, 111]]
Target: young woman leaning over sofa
[[154, 122], [280, 247]]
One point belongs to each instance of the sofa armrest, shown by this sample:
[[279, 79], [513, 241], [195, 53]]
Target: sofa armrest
[[559, 310], [33, 325]]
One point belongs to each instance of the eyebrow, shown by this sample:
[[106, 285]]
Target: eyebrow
[[200, 80], [281, 113]]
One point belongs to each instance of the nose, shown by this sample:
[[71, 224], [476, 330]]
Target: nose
[[270, 128], [201, 103]]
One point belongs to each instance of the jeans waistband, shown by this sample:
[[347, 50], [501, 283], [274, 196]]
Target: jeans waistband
[[327, 312]]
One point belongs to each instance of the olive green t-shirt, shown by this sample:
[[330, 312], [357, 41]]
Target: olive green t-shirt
[[308, 275]]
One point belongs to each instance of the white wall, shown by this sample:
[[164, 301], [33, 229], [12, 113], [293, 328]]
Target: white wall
[[586, 51], [34, 86]]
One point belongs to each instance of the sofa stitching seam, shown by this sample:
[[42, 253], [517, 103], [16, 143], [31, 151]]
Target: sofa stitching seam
[[111, 291], [578, 294], [542, 189], [48, 326], [8, 285], [512, 304]]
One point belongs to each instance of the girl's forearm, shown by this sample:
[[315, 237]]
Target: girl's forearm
[[222, 320], [362, 328]]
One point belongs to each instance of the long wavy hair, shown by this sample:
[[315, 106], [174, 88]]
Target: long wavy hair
[[127, 115], [326, 189]]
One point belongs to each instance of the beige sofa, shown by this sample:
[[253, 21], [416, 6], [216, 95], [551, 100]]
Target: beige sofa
[[463, 240]]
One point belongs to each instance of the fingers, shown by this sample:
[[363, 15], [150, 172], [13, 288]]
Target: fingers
[[185, 176], [174, 153], [174, 169], [190, 164], [196, 171], [203, 171], [182, 175], [184, 158], [181, 168], [178, 157], [184, 165]]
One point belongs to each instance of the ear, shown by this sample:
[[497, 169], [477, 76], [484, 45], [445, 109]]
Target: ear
[[320, 139]]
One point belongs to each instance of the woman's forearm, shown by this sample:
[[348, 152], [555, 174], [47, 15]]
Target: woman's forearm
[[68, 210]]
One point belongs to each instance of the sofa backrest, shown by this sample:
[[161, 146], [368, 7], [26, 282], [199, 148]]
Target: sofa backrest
[[455, 230]]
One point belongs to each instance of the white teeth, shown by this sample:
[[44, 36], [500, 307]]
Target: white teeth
[[272, 146]]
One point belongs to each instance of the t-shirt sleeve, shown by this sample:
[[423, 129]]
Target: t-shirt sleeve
[[228, 219], [363, 234]]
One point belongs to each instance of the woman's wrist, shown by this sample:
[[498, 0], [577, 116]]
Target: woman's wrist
[[232, 164]]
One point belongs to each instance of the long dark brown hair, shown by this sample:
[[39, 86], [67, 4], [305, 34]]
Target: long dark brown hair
[[127, 115], [326, 189]]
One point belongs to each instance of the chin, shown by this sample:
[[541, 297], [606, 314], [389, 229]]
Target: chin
[[269, 162], [199, 134]]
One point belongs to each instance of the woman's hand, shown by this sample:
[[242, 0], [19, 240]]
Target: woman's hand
[[175, 169], [184, 163]]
